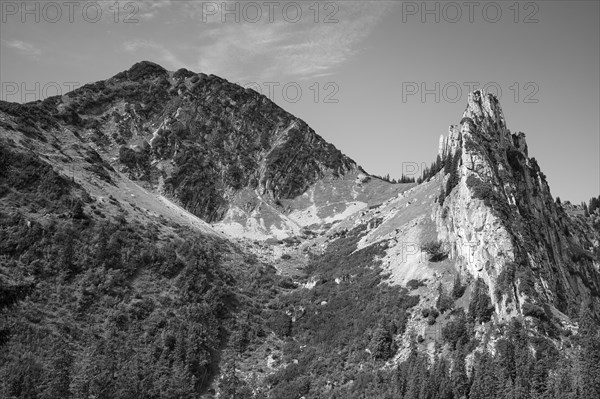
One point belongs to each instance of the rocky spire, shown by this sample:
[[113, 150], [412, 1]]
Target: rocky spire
[[499, 213]]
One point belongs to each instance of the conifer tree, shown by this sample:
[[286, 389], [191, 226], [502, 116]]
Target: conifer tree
[[459, 379], [592, 205], [590, 353], [458, 289], [485, 378], [381, 343], [440, 385]]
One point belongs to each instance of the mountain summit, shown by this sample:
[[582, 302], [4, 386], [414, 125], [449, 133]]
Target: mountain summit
[[200, 138]]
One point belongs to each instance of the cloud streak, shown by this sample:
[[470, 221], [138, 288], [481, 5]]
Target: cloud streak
[[23, 48], [266, 50], [302, 50]]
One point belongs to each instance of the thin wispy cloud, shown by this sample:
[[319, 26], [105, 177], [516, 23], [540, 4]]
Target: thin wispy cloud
[[302, 50], [23, 48], [266, 50]]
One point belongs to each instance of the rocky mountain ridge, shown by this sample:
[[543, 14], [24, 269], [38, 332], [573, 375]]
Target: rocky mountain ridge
[[187, 134]]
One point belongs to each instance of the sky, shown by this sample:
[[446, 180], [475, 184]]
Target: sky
[[382, 80]]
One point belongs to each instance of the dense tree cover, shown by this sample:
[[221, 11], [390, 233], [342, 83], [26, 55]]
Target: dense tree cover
[[137, 161], [444, 300], [521, 367], [27, 181], [196, 183], [106, 308], [116, 313], [480, 306], [402, 179]]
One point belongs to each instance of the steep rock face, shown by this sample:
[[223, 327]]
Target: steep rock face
[[194, 137], [502, 224]]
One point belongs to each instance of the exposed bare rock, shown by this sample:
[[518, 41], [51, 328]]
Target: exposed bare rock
[[502, 223]]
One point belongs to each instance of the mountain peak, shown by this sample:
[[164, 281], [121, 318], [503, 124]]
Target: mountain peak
[[484, 109], [199, 139], [143, 70], [483, 117]]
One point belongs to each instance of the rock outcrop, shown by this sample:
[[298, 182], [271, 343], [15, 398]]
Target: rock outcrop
[[501, 223]]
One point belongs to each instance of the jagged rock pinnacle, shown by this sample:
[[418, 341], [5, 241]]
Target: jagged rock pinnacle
[[484, 109], [483, 116]]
